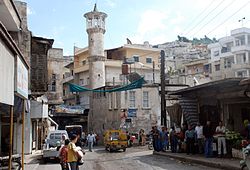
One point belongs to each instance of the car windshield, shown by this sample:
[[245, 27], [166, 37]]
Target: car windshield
[[115, 136]]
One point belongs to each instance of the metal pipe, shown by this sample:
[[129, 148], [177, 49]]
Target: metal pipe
[[11, 136], [23, 123], [163, 100]]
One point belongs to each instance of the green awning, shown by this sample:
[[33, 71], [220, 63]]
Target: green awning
[[134, 85]]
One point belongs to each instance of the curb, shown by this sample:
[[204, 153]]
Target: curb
[[220, 165]]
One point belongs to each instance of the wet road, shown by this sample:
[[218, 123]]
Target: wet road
[[138, 158]]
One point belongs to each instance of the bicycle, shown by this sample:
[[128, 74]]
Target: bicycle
[[16, 162]]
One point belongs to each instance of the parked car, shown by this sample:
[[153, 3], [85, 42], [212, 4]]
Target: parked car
[[53, 143], [55, 136]]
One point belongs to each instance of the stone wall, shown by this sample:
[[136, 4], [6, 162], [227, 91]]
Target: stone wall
[[39, 69]]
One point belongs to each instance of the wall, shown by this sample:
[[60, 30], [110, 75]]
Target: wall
[[39, 67], [7, 75], [56, 63]]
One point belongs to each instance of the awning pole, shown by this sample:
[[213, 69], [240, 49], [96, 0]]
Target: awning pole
[[11, 136], [23, 125]]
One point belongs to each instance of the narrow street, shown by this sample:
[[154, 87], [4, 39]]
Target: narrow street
[[138, 158]]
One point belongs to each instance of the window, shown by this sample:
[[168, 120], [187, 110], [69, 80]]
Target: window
[[145, 97], [242, 73], [132, 99], [110, 100], [136, 58], [115, 100], [53, 76], [217, 67], [240, 40], [241, 58], [216, 53], [81, 82], [84, 62], [228, 62], [148, 60]]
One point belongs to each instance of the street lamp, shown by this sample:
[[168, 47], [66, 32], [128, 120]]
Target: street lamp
[[241, 20]]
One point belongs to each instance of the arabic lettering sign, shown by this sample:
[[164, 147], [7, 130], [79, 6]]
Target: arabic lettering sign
[[132, 112]]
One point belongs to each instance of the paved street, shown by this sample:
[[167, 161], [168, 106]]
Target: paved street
[[134, 158]]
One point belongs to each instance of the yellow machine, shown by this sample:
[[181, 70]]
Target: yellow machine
[[115, 140]]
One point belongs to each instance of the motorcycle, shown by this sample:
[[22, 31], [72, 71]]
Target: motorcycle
[[150, 142], [245, 163], [16, 162]]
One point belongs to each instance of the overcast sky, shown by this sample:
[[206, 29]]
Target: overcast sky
[[156, 21]]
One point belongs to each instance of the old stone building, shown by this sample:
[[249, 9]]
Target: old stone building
[[39, 65], [56, 62], [97, 68]]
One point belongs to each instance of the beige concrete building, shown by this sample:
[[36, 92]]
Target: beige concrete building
[[230, 57]]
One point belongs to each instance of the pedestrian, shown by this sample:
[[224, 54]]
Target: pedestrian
[[164, 139], [140, 137], [143, 138], [173, 140], [63, 155], [199, 137], [190, 139], [220, 131], [156, 139], [91, 140], [72, 153], [208, 133]]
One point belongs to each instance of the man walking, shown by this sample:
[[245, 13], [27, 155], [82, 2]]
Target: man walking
[[72, 153], [199, 137], [189, 137], [220, 131], [208, 133], [91, 141]]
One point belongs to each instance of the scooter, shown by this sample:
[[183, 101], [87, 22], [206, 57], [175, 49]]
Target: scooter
[[245, 163], [150, 142]]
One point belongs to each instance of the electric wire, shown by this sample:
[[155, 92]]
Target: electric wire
[[198, 16], [215, 16], [205, 17], [243, 6]]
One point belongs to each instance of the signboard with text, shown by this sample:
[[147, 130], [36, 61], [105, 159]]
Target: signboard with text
[[22, 79], [132, 112]]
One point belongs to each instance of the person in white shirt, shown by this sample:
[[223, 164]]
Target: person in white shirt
[[220, 131], [199, 137], [91, 140]]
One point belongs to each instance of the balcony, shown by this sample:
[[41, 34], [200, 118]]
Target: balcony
[[67, 78], [240, 66], [236, 49], [81, 69], [68, 96]]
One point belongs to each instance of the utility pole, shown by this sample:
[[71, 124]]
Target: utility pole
[[163, 100], [154, 72]]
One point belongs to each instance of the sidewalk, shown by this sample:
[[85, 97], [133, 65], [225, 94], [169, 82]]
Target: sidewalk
[[33, 158], [222, 163]]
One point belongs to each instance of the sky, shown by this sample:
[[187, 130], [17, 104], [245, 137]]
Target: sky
[[156, 21]]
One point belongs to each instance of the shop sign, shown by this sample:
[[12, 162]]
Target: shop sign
[[132, 112], [22, 79]]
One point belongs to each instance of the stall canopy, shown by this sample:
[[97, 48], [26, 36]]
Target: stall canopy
[[134, 85]]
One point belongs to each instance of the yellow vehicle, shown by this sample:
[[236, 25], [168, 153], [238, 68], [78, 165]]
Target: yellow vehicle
[[115, 140]]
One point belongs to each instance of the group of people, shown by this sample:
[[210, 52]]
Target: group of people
[[71, 153], [160, 138], [190, 139]]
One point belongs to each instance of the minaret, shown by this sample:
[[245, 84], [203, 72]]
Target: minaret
[[96, 30]]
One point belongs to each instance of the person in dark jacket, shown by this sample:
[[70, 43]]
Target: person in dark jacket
[[208, 133]]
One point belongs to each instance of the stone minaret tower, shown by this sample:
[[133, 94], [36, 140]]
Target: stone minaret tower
[[96, 30]]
